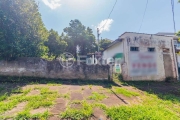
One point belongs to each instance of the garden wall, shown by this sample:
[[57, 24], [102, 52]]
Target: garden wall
[[37, 67]]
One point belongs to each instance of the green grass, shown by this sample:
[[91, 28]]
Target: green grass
[[125, 92], [53, 84], [67, 96], [141, 113], [90, 86], [17, 90], [96, 96], [45, 99], [25, 115], [3, 97], [151, 106], [78, 114]]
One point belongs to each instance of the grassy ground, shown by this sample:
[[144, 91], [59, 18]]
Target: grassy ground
[[93, 100]]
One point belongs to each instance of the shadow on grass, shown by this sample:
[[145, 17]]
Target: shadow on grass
[[9, 85], [164, 90], [35, 80]]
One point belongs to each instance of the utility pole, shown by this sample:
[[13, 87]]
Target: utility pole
[[98, 34]]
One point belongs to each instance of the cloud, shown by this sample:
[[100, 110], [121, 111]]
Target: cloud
[[105, 25], [53, 4]]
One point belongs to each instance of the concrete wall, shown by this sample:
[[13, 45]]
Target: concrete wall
[[178, 60], [143, 41], [37, 67]]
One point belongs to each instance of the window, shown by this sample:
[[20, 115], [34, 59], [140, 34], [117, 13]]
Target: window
[[151, 49], [134, 49]]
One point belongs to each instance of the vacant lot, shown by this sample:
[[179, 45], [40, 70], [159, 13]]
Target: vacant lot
[[90, 100]]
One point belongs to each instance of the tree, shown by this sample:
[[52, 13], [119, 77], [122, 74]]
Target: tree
[[104, 43], [22, 32], [178, 34], [55, 44], [79, 35]]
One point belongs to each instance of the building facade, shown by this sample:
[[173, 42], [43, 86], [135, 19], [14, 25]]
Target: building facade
[[144, 56]]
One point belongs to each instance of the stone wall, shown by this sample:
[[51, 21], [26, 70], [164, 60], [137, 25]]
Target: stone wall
[[37, 67]]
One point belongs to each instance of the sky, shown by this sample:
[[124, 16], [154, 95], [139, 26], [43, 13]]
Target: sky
[[126, 17]]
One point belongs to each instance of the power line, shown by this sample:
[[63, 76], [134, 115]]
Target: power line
[[172, 5], [143, 15], [109, 15]]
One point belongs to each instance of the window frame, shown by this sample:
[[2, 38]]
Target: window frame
[[134, 49], [151, 49]]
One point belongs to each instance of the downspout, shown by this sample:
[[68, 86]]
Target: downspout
[[175, 59]]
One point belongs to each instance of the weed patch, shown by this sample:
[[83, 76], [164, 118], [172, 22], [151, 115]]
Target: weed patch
[[78, 114], [25, 115], [140, 113], [125, 92], [96, 96]]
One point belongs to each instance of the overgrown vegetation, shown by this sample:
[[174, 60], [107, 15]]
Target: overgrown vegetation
[[78, 114], [45, 99], [151, 105], [141, 113], [96, 96], [25, 115], [125, 92]]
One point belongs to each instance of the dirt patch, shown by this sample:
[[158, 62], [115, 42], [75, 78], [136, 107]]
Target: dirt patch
[[64, 89], [20, 107], [99, 114], [54, 88], [60, 106], [33, 92], [54, 118], [75, 88], [114, 100], [76, 96], [39, 110], [86, 93], [76, 106]]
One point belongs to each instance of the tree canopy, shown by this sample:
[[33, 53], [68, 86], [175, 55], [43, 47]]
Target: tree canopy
[[104, 43], [78, 35], [22, 32], [55, 44]]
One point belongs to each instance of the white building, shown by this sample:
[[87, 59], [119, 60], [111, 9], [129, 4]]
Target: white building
[[144, 56]]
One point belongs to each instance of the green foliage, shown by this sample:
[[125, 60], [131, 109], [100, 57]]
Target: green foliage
[[178, 34], [125, 92], [25, 115], [140, 113], [78, 35], [17, 90], [78, 114], [45, 99], [43, 116], [67, 96], [96, 96], [22, 32], [3, 97], [104, 43], [55, 44]]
